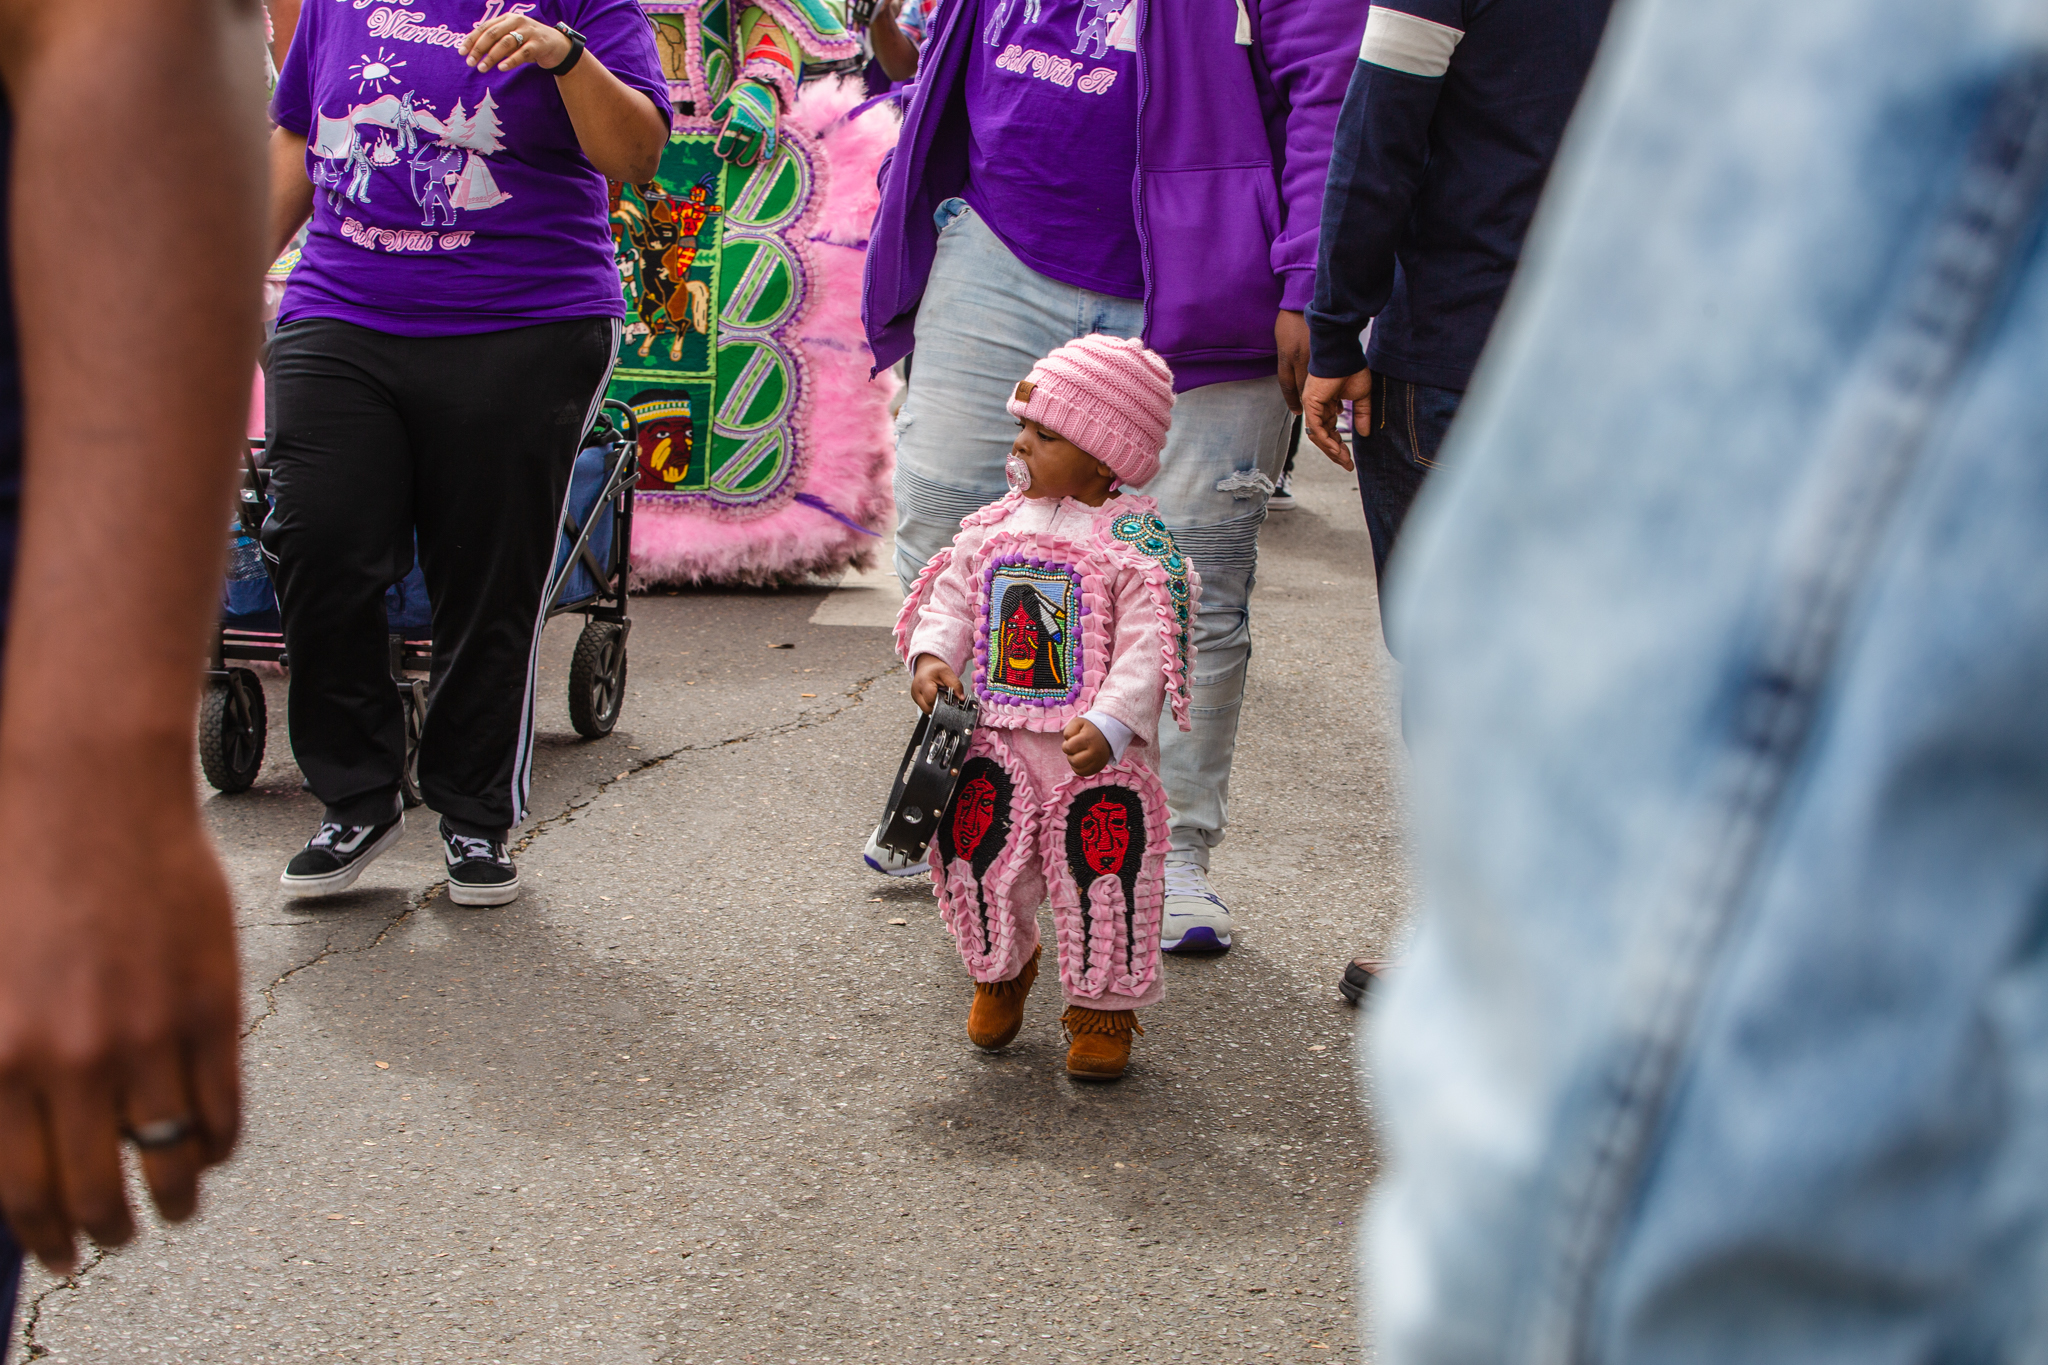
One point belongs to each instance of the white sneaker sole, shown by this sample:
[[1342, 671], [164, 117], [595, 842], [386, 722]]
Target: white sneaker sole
[[497, 893], [878, 859], [307, 887], [914, 870], [1200, 931]]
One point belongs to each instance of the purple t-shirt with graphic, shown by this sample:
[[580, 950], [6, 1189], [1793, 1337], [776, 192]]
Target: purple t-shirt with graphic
[[1052, 122], [445, 201]]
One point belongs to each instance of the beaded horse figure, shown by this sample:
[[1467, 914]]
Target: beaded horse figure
[[664, 238]]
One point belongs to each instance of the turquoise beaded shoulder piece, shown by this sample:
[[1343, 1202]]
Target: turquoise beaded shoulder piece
[[826, 20], [1148, 535]]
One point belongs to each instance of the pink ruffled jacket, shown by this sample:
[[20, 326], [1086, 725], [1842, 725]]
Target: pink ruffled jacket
[[1082, 608]]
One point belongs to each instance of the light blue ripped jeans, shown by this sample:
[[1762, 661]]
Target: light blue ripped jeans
[[985, 319], [1724, 1034]]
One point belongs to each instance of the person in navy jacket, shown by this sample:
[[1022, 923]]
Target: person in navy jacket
[[1447, 132]]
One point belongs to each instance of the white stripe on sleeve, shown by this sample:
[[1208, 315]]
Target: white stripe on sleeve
[[1408, 42]]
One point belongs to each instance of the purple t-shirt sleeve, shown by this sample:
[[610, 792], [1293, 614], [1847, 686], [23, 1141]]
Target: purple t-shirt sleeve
[[621, 35]]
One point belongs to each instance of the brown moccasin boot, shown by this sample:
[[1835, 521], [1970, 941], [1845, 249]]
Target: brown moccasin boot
[[1100, 1042], [998, 1009]]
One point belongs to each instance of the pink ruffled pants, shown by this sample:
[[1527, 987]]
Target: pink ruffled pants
[[1023, 828]]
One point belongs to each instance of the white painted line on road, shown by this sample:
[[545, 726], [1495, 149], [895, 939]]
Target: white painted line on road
[[865, 597]]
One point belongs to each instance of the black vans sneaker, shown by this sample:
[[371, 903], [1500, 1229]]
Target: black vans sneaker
[[333, 858], [480, 871]]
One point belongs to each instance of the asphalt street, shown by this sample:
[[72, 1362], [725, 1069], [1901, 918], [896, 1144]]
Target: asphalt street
[[704, 1093]]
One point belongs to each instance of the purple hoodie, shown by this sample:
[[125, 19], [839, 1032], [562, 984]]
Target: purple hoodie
[[1233, 148]]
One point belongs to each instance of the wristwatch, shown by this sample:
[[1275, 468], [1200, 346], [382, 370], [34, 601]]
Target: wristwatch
[[568, 63]]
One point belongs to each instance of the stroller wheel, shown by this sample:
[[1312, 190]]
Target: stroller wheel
[[412, 694], [234, 723], [597, 679]]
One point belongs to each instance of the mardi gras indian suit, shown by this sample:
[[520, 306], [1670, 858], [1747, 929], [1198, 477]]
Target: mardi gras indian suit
[[1060, 609], [764, 447]]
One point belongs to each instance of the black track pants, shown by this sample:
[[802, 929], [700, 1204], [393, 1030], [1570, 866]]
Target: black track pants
[[466, 441]]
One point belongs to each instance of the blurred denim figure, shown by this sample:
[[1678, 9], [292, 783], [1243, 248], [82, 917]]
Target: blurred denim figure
[[1724, 1036]]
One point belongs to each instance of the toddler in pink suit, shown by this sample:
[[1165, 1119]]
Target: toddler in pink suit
[[1066, 606]]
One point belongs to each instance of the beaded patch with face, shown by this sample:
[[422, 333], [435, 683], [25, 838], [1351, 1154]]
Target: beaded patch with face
[[1149, 534], [1105, 837], [1033, 633], [977, 829]]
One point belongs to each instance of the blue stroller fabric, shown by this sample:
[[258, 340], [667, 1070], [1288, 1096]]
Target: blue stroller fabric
[[249, 602], [405, 602], [586, 481]]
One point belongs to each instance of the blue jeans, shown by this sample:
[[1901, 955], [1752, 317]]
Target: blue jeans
[[1409, 422], [1724, 1031], [985, 319]]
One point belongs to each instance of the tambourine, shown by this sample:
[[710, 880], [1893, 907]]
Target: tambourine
[[925, 783]]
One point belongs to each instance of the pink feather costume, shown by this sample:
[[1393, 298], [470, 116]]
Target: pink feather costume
[[1048, 609]]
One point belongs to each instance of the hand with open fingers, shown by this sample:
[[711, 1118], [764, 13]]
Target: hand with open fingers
[[1087, 748], [746, 120], [931, 674], [1321, 402], [119, 1015], [513, 40]]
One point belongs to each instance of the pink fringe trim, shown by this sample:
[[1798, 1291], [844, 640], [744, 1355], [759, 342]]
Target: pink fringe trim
[[914, 600], [1170, 629], [775, 76], [847, 459], [1113, 969], [954, 884]]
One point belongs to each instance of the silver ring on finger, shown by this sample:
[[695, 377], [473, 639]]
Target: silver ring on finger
[[160, 1134]]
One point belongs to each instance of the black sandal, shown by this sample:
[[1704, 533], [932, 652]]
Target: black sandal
[[1359, 975]]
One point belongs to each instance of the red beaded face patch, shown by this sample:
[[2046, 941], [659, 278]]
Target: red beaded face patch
[[973, 815], [1033, 645], [1106, 837]]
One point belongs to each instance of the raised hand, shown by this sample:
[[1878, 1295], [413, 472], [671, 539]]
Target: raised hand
[[746, 120]]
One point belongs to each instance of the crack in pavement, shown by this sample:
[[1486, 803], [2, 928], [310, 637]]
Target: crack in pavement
[[34, 1316], [856, 695], [328, 950]]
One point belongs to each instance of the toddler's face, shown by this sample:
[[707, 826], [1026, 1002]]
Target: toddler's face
[[1059, 468]]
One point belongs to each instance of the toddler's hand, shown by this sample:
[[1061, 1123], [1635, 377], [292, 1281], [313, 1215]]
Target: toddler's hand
[[932, 674], [1087, 748]]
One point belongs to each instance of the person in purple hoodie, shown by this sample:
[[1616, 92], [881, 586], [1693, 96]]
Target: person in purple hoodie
[[1154, 171]]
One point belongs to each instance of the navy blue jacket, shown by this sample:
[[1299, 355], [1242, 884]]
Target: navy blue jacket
[[1452, 118]]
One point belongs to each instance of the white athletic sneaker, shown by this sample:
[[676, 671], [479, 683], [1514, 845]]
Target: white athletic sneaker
[[1196, 920], [888, 862], [1282, 498]]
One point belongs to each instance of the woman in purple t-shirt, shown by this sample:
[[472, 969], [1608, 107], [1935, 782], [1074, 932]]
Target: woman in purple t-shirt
[[441, 348]]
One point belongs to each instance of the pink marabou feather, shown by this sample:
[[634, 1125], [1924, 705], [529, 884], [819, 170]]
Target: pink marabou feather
[[850, 452]]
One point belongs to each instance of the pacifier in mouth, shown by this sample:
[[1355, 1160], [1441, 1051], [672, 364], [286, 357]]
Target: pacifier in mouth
[[1017, 473]]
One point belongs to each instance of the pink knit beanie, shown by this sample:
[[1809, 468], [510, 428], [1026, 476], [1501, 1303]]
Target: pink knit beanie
[[1110, 396]]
